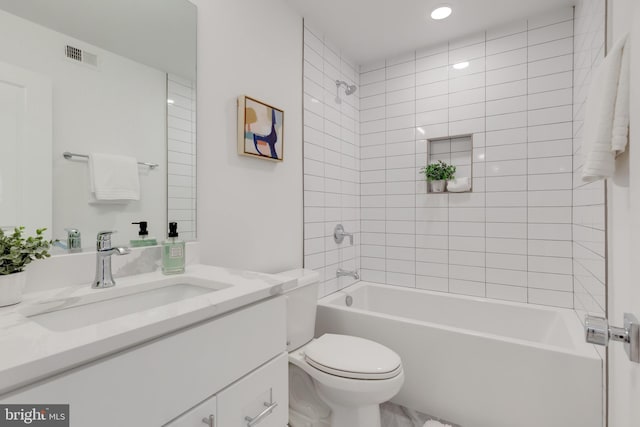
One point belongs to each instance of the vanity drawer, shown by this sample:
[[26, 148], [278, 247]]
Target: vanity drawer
[[151, 384], [202, 415], [260, 399]]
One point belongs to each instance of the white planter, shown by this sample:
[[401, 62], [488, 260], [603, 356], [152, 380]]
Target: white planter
[[11, 288], [438, 186]]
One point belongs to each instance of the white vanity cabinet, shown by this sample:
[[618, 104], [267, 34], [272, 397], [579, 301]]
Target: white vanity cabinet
[[259, 399], [227, 367], [202, 415]]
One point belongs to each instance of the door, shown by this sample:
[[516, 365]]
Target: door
[[25, 148], [623, 224]]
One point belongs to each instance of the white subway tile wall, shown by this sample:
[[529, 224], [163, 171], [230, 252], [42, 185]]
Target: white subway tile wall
[[181, 155], [588, 199], [531, 231], [511, 238], [332, 161]]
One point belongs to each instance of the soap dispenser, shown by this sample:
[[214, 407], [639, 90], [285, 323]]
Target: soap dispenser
[[143, 236], [173, 252]]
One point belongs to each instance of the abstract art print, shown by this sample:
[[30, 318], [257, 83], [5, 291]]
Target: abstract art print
[[260, 129]]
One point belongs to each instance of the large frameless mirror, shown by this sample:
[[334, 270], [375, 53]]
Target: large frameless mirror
[[97, 78]]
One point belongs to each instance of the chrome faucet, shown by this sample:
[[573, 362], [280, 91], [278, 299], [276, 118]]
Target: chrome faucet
[[347, 273], [339, 234], [74, 241], [104, 278]]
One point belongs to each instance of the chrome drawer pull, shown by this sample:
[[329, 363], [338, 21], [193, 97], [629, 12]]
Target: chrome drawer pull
[[211, 421], [269, 408]]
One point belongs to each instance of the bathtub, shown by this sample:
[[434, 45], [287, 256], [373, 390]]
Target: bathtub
[[477, 362]]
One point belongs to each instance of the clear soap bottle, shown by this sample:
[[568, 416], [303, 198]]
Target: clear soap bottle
[[173, 252], [143, 236]]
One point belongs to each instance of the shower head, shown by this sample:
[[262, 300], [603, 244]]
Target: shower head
[[348, 89]]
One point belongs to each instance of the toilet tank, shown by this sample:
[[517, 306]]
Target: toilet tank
[[302, 302]]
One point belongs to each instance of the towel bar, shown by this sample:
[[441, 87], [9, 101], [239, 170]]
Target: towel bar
[[67, 155]]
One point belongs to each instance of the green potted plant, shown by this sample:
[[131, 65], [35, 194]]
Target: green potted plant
[[16, 252], [437, 174]]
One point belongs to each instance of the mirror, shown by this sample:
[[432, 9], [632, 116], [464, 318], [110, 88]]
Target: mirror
[[96, 77]]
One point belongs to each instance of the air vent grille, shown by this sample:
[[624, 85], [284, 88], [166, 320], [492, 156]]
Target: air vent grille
[[78, 55], [74, 53]]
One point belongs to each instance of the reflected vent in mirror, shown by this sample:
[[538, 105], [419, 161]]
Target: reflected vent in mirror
[[79, 55]]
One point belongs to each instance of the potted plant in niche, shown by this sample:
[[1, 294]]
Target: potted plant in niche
[[437, 174], [15, 253]]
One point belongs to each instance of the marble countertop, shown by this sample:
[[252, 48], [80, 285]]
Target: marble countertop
[[30, 352]]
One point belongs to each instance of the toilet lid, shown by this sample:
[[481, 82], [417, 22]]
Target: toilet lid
[[352, 357]]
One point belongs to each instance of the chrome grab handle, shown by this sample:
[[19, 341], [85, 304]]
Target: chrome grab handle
[[597, 331], [267, 411], [210, 421]]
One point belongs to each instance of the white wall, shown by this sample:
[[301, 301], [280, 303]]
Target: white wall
[[249, 210], [511, 238], [119, 108], [331, 162]]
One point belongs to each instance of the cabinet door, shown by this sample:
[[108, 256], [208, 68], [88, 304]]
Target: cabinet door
[[260, 399], [202, 415]]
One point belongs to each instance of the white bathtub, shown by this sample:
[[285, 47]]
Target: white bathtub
[[477, 362]]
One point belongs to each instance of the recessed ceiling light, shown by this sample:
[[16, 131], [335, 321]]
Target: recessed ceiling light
[[441, 12], [170, 101], [461, 65]]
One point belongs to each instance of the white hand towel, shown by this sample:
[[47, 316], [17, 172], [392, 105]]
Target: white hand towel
[[113, 177], [459, 185], [620, 132], [606, 119]]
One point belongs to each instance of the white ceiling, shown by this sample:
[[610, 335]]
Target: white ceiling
[[161, 34], [368, 30]]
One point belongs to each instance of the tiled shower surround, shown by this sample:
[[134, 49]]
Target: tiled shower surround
[[331, 162], [512, 237], [588, 199], [181, 155]]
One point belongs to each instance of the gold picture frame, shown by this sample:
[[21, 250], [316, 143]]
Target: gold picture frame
[[260, 129]]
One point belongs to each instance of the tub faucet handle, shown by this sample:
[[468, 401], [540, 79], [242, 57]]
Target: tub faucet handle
[[339, 234]]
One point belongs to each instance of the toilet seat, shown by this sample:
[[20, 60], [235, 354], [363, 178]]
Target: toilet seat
[[352, 357]]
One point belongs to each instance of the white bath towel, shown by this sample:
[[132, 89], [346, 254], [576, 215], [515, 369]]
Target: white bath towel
[[606, 123], [113, 178]]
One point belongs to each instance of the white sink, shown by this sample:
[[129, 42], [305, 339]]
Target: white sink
[[101, 305]]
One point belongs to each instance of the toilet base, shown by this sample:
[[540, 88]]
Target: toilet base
[[342, 416]]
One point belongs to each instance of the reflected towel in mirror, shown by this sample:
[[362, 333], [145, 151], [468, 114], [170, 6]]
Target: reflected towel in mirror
[[113, 178]]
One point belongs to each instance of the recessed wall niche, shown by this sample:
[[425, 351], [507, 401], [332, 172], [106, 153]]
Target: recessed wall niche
[[456, 151]]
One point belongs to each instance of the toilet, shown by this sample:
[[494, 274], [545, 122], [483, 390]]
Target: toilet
[[334, 380]]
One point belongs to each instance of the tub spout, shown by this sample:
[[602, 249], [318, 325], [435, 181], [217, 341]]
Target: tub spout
[[347, 273]]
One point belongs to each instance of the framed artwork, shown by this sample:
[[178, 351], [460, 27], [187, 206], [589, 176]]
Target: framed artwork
[[260, 129]]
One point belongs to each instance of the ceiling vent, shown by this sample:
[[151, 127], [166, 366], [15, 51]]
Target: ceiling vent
[[82, 56]]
